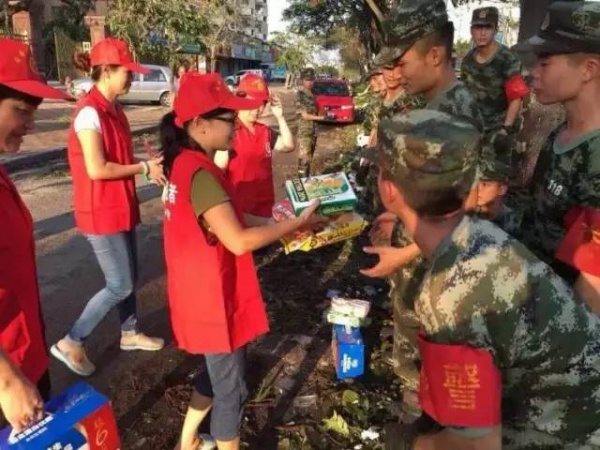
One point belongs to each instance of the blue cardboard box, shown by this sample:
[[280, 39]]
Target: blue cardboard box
[[348, 352], [78, 419]]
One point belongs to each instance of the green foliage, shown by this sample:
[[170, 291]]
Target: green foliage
[[296, 51], [324, 18], [337, 424], [69, 19], [155, 28], [328, 70]]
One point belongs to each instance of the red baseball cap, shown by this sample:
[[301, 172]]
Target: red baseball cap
[[114, 52], [253, 86], [18, 71], [202, 93]]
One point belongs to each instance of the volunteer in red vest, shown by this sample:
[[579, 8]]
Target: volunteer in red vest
[[106, 206], [250, 169], [215, 301], [24, 376]]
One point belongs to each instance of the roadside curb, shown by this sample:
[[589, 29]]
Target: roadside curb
[[26, 160]]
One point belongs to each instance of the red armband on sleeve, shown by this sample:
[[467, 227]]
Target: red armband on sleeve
[[515, 88], [580, 247], [460, 385]]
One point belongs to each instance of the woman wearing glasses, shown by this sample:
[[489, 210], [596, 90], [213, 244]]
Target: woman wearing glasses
[[215, 301]]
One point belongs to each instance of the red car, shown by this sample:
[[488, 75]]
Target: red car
[[334, 100]]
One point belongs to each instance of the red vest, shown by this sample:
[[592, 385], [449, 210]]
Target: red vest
[[21, 325], [104, 206], [214, 297], [251, 170]]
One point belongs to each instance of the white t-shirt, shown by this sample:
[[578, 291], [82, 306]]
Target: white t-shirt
[[87, 120]]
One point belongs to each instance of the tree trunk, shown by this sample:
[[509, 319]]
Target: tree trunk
[[213, 59]]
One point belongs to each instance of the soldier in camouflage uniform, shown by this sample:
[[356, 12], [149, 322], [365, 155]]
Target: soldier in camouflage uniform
[[493, 74], [492, 189], [566, 183], [442, 91], [308, 114], [378, 93], [510, 354]]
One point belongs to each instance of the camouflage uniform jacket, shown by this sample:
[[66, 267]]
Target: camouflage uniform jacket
[[401, 104], [406, 281], [458, 101], [486, 82], [508, 220], [386, 109], [565, 177], [305, 102], [484, 289]]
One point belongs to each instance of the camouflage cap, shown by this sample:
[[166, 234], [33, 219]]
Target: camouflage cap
[[407, 23], [373, 70], [569, 27], [427, 149], [494, 171], [307, 73], [485, 16]]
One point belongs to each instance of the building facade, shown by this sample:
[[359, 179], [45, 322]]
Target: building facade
[[249, 50]]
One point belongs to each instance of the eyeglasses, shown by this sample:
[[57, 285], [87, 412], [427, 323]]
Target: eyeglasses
[[224, 119]]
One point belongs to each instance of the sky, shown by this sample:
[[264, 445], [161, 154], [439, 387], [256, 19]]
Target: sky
[[276, 8]]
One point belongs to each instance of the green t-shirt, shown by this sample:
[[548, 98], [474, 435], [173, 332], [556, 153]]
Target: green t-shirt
[[486, 82], [206, 192], [566, 177]]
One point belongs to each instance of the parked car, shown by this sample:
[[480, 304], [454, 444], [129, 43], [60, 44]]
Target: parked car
[[234, 80], [334, 100], [152, 87]]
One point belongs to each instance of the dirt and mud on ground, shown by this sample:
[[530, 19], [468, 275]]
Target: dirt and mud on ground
[[296, 401]]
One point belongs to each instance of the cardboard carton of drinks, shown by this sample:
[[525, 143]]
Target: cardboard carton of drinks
[[78, 419]]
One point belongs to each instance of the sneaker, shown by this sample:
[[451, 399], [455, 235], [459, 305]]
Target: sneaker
[[139, 341], [74, 357], [208, 442]]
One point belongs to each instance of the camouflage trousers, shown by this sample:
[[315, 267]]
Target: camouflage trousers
[[406, 284], [306, 151]]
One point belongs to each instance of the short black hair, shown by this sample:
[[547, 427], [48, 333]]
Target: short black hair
[[216, 112], [7, 92], [442, 37], [433, 203]]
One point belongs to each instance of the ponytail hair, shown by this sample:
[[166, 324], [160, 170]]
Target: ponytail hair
[[172, 140], [82, 61]]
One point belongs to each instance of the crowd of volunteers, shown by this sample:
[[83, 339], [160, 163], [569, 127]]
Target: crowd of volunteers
[[494, 305]]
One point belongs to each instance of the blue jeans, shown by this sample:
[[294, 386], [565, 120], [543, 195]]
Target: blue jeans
[[224, 380], [117, 256]]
